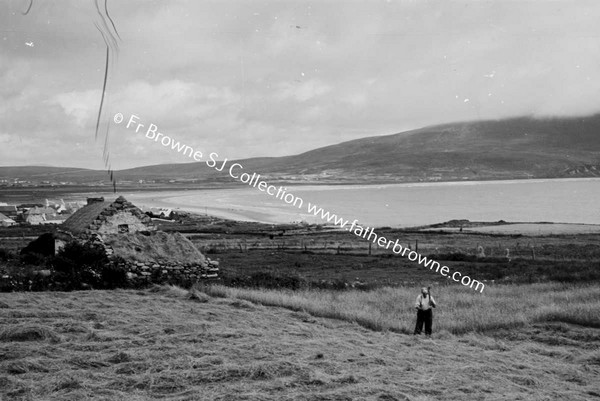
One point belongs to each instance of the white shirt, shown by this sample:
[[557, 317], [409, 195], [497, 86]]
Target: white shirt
[[423, 302]]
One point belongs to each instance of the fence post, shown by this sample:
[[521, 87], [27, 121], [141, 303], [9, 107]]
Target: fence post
[[369, 248], [417, 245]]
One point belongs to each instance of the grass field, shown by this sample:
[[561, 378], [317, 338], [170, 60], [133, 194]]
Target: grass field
[[462, 309], [168, 343]]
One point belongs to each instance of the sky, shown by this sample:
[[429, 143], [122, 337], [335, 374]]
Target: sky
[[273, 78]]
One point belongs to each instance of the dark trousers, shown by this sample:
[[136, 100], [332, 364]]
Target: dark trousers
[[424, 317]]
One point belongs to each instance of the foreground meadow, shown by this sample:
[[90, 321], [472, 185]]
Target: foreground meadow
[[168, 343]]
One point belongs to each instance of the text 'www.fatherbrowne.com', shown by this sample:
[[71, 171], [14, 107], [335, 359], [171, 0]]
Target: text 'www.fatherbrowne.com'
[[236, 171]]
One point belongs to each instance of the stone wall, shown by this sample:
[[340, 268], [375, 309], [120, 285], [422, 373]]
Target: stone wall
[[121, 212], [111, 224], [161, 271], [139, 272]]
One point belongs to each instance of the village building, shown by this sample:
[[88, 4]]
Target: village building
[[105, 217], [6, 221], [62, 207], [57, 219], [26, 206], [131, 240], [9, 211], [40, 215], [36, 214], [159, 212]]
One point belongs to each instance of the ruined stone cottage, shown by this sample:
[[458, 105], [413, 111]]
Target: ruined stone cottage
[[104, 217], [131, 240]]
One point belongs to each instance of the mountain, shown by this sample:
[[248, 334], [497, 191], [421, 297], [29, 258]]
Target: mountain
[[523, 147], [511, 148]]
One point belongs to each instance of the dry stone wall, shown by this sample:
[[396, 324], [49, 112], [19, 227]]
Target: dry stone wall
[[161, 271], [169, 272], [118, 213]]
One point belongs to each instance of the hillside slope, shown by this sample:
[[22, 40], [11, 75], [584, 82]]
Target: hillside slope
[[512, 148]]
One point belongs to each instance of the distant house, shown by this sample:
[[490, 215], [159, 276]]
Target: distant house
[[162, 213], [46, 210], [58, 219], [70, 207], [165, 213], [105, 217], [6, 221], [58, 207], [9, 211], [34, 219], [26, 206], [39, 215]]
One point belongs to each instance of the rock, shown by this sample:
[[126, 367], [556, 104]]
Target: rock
[[145, 274]]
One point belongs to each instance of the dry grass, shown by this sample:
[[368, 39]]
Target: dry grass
[[461, 309], [163, 344], [27, 332], [198, 296]]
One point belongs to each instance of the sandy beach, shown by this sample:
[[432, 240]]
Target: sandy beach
[[404, 205]]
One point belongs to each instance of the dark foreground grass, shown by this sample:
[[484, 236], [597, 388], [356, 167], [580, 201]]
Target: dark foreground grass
[[168, 343]]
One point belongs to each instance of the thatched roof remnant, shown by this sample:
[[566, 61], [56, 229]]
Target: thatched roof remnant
[[157, 246]]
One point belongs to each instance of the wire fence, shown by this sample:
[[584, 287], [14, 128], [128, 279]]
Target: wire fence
[[507, 251]]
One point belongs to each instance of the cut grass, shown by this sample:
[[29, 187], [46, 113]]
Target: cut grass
[[162, 344], [28, 332]]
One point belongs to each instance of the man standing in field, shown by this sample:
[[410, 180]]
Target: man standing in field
[[424, 312]]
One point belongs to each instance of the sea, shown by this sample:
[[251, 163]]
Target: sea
[[398, 205]]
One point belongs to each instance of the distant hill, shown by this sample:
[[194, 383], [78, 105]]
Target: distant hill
[[511, 148], [522, 147]]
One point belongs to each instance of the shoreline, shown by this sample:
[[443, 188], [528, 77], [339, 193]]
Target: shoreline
[[394, 205], [410, 204]]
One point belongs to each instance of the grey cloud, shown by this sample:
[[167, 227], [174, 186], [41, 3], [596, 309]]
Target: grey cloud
[[238, 77]]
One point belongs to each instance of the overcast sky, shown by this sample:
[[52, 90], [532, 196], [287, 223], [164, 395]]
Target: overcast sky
[[272, 78]]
